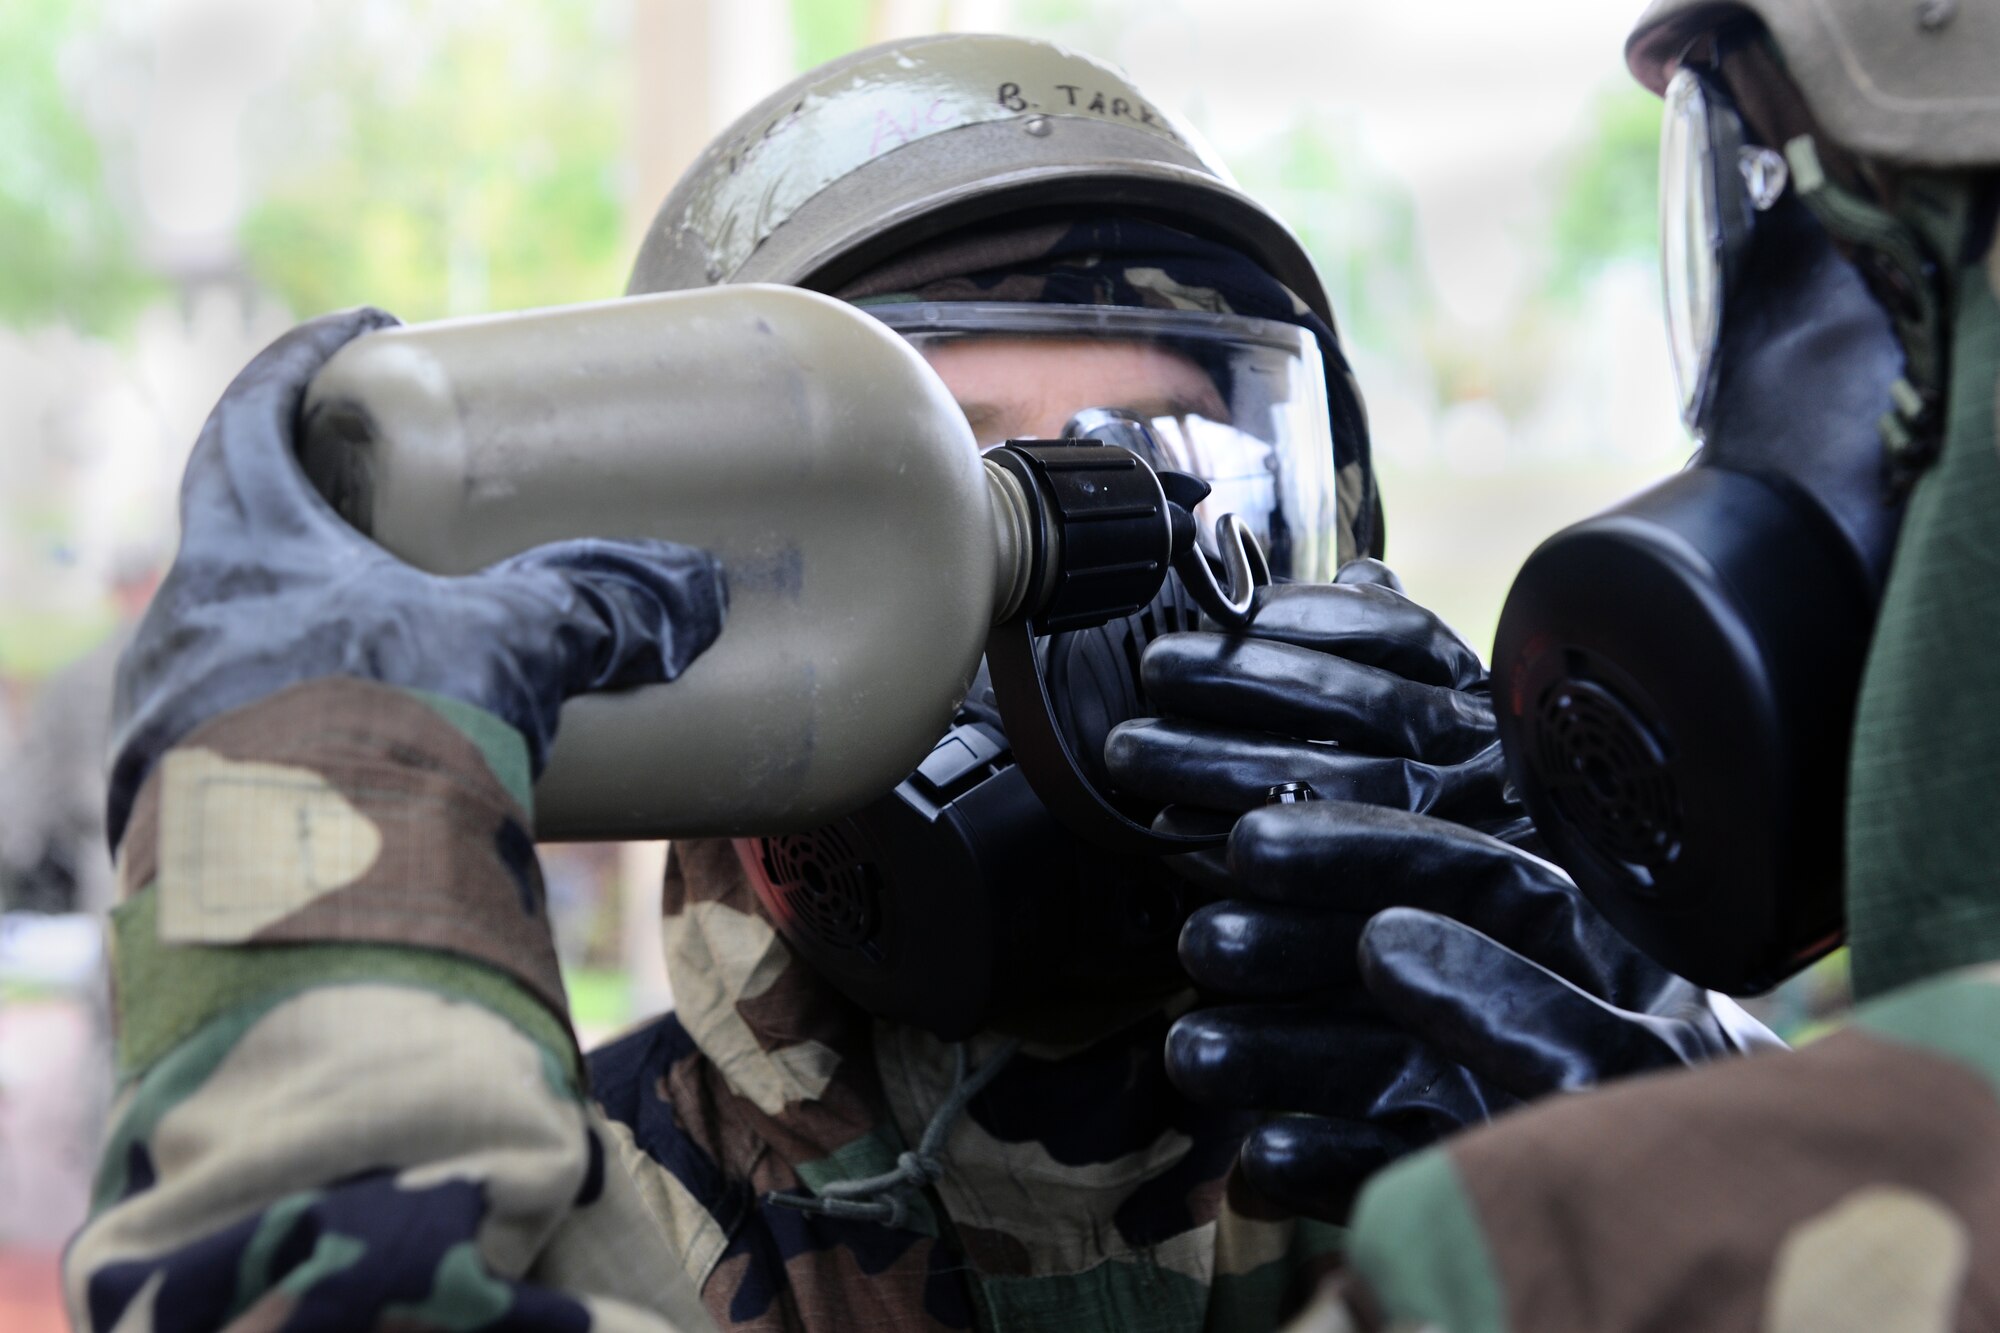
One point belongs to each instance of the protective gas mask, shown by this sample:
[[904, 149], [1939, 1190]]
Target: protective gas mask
[[960, 897], [1676, 677]]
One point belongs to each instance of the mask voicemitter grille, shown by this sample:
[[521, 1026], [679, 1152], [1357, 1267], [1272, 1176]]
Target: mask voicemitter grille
[[829, 887], [1607, 775]]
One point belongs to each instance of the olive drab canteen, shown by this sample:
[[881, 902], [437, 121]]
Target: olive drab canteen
[[858, 160], [1915, 82]]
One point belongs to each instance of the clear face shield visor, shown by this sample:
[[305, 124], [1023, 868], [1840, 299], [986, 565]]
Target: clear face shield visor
[[1239, 402], [1713, 184]]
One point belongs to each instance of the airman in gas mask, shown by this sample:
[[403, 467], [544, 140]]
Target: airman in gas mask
[[994, 994], [1753, 711]]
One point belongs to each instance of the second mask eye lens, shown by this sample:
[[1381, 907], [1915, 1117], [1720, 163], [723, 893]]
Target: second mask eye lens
[[1691, 242]]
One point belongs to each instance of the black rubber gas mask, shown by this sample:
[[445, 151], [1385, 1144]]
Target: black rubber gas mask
[[959, 896], [964, 896], [1005, 879], [1676, 677]]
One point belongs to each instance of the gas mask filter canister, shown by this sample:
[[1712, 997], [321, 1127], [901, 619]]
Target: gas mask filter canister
[[1675, 678]]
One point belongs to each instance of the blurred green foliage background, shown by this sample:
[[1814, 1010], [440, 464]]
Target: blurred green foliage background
[[474, 166], [443, 157], [66, 251]]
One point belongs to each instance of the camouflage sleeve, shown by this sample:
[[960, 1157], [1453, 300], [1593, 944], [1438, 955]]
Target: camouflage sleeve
[[1853, 1185], [349, 1093]]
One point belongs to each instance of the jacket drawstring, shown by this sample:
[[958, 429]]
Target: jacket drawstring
[[885, 1198]]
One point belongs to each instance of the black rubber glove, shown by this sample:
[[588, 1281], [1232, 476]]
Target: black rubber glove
[[1410, 976], [271, 588], [1349, 686], [1484, 980]]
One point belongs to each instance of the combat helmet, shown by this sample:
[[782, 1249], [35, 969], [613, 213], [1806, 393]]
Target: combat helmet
[[865, 157], [1912, 82]]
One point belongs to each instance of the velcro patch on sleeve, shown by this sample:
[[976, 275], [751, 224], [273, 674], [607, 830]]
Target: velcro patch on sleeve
[[342, 811], [243, 845]]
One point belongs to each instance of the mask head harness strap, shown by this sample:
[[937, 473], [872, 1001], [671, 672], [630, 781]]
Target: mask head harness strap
[[1904, 277]]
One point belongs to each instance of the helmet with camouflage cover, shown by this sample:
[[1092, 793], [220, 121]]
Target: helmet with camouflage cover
[[862, 158], [1913, 82]]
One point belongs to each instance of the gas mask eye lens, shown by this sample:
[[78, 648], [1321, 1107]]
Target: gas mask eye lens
[[1239, 402], [1690, 242], [1713, 185]]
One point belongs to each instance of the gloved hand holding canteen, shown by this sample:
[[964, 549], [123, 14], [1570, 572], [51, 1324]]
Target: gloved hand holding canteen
[[270, 588], [1392, 964]]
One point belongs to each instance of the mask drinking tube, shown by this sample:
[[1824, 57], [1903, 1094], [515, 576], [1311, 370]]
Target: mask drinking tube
[[1113, 527]]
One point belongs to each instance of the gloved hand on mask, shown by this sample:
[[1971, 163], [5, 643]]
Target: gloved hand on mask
[[1389, 972], [1348, 686], [271, 588]]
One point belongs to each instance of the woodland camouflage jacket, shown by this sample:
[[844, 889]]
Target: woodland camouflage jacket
[[351, 1098]]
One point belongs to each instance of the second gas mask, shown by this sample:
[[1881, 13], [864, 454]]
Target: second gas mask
[[1675, 678]]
